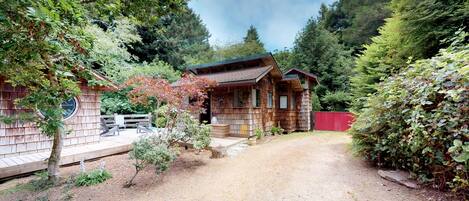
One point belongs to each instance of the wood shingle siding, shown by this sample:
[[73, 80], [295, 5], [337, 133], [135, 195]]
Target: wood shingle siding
[[21, 138]]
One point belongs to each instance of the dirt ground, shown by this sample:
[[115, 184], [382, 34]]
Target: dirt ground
[[302, 166]]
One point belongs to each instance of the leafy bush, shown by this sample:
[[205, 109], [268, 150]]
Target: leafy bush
[[92, 178], [151, 150], [258, 133], [418, 120], [41, 183], [118, 102], [315, 102], [276, 130], [199, 134], [337, 101]]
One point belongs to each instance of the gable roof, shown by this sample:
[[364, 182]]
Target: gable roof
[[237, 77], [310, 76], [239, 71]]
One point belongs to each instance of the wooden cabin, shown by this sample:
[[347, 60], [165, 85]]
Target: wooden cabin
[[253, 93], [82, 119]]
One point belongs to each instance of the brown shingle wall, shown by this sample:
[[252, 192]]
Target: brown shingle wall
[[23, 137], [239, 119]]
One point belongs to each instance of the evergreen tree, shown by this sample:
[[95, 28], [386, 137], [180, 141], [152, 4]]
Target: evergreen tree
[[283, 59], [252, 36], [174, 39], [318, 51], [355, 21], [416, 31]]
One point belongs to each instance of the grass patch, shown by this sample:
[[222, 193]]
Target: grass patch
[[92, 178]]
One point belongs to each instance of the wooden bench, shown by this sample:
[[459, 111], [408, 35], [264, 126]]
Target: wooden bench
[[130, 120]]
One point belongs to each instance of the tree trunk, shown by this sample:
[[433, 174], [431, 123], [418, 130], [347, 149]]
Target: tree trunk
[[54, 158]]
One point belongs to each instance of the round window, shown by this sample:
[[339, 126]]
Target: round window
[[70, 107]]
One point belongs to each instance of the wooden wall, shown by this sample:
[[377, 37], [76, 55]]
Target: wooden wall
[[23, 137], [239, 118], [244, 120]]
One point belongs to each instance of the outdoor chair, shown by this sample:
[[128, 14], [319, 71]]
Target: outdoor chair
[[144, 127], [108, 129]]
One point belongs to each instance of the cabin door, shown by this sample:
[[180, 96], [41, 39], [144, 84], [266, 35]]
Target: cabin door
[[206, 115]]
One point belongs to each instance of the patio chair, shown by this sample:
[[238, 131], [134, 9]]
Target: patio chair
[[144, 126], [108, 129], [119, 120]]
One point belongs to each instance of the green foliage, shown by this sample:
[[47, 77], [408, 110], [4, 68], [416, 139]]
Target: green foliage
[[282, 57], [276, 130], [198, 133], [236, 50], [151, 150], [42, 44], [176, 39], [253, 37], [155, 69], [355, 21], [382, 58], [109, 50], [92, 178], [416, 30], [143, 11], [117, 102], [318, 51], [417, 120], [258, 133], [315, 103], [428, 23], [336, 101]]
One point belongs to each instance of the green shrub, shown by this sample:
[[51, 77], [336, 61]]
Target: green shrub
[[276, 130], [418, 121], [92, 178], [150, 151], [198, 134], [258, 133], [337, 101]]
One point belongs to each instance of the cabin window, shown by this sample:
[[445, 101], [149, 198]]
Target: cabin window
[[283, 102], [70, 107], [238, 99], [269, 99], [256, 98]]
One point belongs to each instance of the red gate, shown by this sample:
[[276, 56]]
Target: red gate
[[333, 121]]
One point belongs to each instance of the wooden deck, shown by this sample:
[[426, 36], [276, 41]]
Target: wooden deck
[[22, 164]]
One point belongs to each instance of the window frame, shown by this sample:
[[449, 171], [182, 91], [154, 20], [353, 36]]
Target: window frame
[[256, 98], [237, 98], [270, 99], [284, 97], [77, 107]]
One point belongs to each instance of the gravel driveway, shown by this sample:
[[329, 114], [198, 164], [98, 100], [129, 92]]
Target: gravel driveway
[[316, 166]]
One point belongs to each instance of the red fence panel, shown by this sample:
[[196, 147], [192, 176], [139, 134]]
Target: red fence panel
[[333, 121]]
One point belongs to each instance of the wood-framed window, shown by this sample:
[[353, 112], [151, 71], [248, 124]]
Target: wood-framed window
[[239, 99], [270, 100], [283, 102], [256, 97]]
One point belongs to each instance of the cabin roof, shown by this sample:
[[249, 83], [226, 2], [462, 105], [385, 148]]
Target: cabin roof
[[194, 68], [237, 77], [293, 71]]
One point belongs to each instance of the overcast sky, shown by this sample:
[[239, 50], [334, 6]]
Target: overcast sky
[[277, 21]]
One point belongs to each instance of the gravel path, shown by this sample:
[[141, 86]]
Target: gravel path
[[300, 166], [292, 167]]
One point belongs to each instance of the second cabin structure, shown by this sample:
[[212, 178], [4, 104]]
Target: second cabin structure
[[253, 93]]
